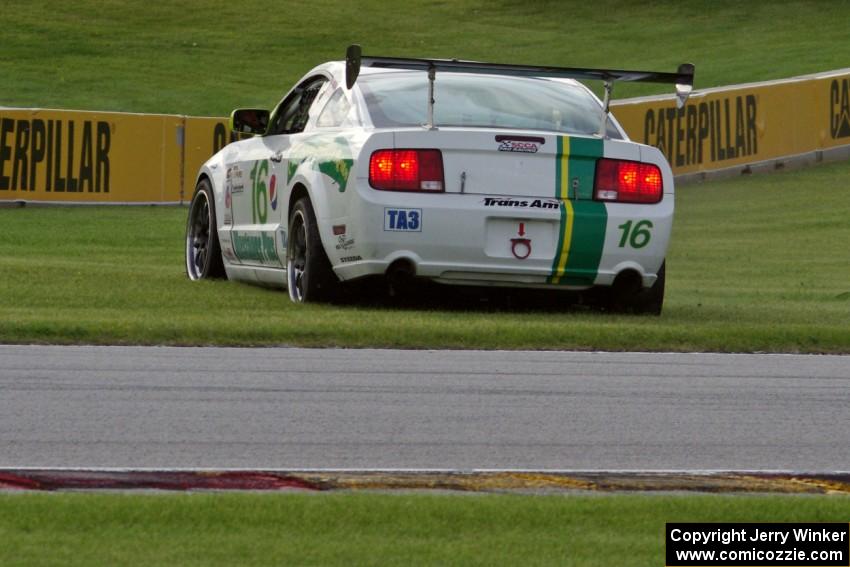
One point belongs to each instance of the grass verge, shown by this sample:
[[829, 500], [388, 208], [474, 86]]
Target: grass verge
[[370, 529], [206, 57], [756, 264]]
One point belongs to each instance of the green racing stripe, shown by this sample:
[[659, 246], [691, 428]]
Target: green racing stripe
[[581, 238]]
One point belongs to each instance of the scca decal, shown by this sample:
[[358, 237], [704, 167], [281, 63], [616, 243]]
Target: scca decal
[[518, 146], [405, 220]]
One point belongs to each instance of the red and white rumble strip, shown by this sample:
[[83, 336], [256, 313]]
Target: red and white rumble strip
[[467, 481]]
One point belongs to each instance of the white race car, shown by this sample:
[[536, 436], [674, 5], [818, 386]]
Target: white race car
[[454, 171]]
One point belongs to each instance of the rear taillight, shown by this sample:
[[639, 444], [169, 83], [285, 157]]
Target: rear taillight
[[407, 170], [627, 181]]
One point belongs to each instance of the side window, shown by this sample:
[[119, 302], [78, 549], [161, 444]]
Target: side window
[[292, 114], [335, 112]]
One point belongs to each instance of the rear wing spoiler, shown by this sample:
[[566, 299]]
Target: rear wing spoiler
[[683, 78]]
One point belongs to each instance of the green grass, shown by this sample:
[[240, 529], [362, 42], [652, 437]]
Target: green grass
[[206, 57], [756, 264], [370, 529]]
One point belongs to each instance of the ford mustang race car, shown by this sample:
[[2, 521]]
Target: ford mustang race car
[[456, 172]]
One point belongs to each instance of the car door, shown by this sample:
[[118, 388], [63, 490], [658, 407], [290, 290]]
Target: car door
[[259, 223]]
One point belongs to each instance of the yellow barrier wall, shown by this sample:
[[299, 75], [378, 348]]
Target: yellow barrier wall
[[744, 124], [57, 155], [103, 157], [204, 137], [833, 94]]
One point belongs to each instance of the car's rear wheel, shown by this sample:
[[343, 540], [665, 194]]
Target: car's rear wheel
[[203, 253], [631, 298], [308, 270]]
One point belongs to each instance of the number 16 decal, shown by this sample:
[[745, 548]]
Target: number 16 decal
[[637, 236], [259, 192]]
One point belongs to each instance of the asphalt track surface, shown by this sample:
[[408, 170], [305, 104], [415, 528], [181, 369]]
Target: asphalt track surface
[[224, 408]]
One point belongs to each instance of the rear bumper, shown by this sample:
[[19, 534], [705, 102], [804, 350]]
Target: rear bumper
[[497, 240]]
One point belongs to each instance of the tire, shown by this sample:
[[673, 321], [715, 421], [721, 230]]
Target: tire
[[203, 252], [638, 300], [653, 301], [309, 276]]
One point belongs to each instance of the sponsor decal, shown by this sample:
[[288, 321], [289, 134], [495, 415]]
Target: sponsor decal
[[328, 155], [234, 179], [346, 259], [839, 108], [228, 197], [716, 130], [273, 192], [521, 203], [291, 168], [228, 253], [258, 247], [28, 147], [344, 243], [282, 237], [518, 146], [403, 220], [338, 170], [583, 221], [227, 248]]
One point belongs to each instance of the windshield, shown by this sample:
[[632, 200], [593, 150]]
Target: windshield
[[490, 101]]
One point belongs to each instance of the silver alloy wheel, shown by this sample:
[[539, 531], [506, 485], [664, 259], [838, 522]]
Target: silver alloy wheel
[[198, 237], [296, 257]]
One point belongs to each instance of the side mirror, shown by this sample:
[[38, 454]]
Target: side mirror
[[250, 121]]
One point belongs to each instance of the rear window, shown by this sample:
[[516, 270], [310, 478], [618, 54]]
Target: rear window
[[525, 103]]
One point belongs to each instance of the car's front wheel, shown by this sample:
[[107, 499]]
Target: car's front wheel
[[203, 253], [308, 270]]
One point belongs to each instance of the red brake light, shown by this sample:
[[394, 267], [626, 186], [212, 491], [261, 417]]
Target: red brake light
[[406, 170], [627, 181]]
